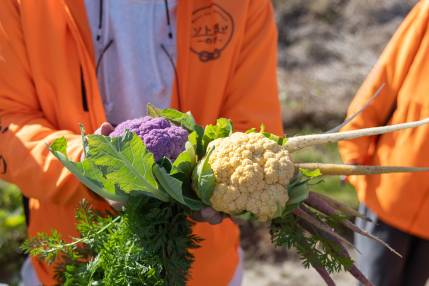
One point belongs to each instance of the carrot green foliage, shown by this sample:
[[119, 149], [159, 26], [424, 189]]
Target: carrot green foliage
[[147, 244]]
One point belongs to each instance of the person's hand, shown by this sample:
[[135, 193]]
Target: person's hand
[[115, 205], [105, 129], [208, 215]]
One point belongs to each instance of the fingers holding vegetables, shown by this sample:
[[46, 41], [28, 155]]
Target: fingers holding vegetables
[[208, 215], [105, 129]]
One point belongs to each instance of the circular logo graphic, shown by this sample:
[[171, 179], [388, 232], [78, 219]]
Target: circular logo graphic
[[212, 30]]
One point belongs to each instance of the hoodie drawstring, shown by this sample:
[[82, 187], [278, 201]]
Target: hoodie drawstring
[[100, 20], [167, 12]]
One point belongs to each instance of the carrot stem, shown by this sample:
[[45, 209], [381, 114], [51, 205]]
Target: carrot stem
[[299, 142], [348, 170]]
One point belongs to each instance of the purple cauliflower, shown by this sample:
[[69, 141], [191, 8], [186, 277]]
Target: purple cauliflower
[[160, 136]]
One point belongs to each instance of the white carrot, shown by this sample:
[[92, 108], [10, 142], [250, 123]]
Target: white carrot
[[299, 142], [347, 170]]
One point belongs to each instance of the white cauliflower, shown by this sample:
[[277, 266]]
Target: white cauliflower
[[252, 174]]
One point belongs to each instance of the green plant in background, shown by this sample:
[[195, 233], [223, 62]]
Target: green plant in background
[[12, 232]]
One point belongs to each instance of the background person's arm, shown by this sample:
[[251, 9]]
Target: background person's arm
[[391, 70], [27, 161]]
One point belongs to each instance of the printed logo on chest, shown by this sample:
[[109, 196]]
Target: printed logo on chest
[[212, 30]]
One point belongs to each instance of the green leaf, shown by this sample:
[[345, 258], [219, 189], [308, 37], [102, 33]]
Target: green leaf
[[204, 179], [210, 134], [196, 139], [298, 192], [297, 196], [223, 128], [84, 140], [279, 140], [186, 161], [194, 204], [60, 145], [114, 167], [280, 209], [251, 130], [183, 119], [127, 163], [87, 174], [97, 175], [166, 164], [151, 110], [310, 173], [169, 184], [174, 188], [182, 170]]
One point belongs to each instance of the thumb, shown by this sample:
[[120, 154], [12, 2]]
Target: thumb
[[105, 129]]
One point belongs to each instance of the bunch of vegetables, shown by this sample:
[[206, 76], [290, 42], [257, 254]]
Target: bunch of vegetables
[[164, 167]]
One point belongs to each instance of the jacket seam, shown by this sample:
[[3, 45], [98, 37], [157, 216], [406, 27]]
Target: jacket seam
[[83, 92]]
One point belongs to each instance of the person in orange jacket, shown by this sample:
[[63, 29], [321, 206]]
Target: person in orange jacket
[[85, 61], [398, 204]]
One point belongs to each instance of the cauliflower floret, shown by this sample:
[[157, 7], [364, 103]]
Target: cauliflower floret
[[252, 174], [160, 136]]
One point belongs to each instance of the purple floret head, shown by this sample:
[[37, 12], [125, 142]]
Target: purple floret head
[[160, 136], [154, 124], [132, 125]]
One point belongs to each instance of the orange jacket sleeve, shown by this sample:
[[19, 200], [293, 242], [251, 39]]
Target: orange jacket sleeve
[[25, 134], [252, 96], [390, 70]]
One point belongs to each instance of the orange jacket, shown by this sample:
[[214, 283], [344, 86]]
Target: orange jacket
[[401, 200], [226, 67]]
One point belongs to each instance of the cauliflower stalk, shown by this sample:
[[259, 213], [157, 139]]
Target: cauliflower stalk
[[252, 174]]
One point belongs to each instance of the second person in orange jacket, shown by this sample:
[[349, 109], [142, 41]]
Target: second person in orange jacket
[[397, 203]]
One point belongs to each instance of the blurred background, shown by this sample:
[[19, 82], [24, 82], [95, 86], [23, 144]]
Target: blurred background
[[326, 48]]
